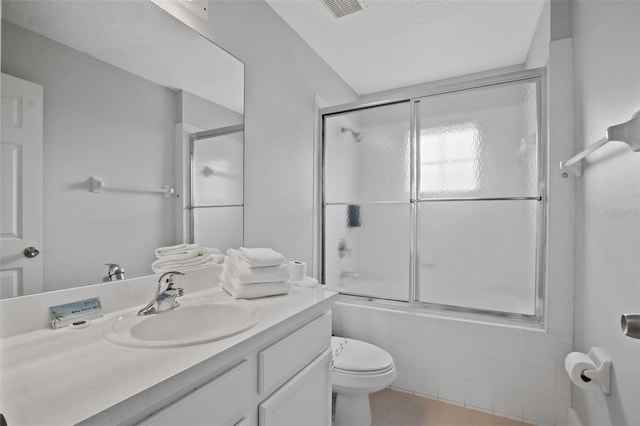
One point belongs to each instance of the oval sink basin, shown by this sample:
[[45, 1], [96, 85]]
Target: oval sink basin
[[195, 321]]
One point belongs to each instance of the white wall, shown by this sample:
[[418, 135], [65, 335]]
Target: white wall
[[607, 69], [121, 130]]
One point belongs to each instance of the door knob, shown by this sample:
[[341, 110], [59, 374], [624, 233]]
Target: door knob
[[31, 252]]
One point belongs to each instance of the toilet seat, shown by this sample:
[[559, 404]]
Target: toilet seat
[[355, 357]]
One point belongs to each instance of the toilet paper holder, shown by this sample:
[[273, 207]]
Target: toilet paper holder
[[602, 374]]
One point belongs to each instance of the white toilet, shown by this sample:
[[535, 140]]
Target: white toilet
[[359, 368]]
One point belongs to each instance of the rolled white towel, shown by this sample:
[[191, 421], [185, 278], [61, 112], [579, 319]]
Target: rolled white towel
[[177, 249], [163, 265], [307, 281], [261, 257], [254, 291], [240, 272]]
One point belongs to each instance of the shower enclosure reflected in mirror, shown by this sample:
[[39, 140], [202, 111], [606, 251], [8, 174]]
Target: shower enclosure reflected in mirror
[[110, 90]]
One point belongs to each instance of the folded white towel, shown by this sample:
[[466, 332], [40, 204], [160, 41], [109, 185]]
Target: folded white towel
[[185, 254], [163, 265], [177, 249], [307, 281], [254, 291], [239, 271], [261, 257]]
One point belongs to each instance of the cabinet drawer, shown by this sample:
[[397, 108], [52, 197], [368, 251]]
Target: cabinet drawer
[[303, 400], [282, 360], [219, 402]]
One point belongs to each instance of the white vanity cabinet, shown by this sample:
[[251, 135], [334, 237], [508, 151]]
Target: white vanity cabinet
[[285, 380]]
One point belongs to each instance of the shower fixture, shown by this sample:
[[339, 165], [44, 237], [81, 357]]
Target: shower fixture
[[357, 137]]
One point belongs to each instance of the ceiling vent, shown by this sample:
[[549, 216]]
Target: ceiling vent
[[341, 8]]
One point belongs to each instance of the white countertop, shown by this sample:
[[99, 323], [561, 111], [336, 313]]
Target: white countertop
[[66, 376]]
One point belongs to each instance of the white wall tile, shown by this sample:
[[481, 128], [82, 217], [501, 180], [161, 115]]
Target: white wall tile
[[562, 351], [478, 395], [426, 382], [563, 386], [508, 375], [539, 408], [479, 343], [404, 379], [562, 411], [478, 369], [356, 321], [403, 353], [451, 339], [507, 401], [451, 364], [451, 389], [539, 349], [508, 345], [402, 327], [540, 380], [426, 356], [425, 330], [380, 327]]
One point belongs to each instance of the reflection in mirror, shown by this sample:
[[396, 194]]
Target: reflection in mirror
[[109, 90]]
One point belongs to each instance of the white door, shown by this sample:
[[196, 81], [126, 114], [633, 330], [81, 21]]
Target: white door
[[21, 187]]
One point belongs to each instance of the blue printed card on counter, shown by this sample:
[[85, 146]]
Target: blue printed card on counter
[[63, 315]]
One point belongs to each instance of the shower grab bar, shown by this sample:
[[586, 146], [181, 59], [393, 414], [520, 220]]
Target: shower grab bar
[[627, 132], [97, 185]]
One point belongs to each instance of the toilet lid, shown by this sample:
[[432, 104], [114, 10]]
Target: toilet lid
[[355, 355]]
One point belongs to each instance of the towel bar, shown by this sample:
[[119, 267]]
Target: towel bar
[[628, 132], [97, 185]]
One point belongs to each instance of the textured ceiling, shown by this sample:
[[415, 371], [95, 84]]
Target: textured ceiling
[[396, 43], [138, 37]]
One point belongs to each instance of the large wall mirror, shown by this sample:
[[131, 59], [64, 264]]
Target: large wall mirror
[[103, 103]]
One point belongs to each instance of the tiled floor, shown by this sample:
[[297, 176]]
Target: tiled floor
[[393, 408]]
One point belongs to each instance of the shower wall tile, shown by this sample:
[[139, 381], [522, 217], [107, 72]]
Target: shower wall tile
[[539, 349], [478, 395], [539, 409], [426, 382], [451, 389], [540, 380], [486, 367], [507, 374], [506, 401]]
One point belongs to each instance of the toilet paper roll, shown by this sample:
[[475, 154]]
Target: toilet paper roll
[[297, 270], [575, 363]]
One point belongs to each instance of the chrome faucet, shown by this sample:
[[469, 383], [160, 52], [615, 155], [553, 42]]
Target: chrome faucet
[[166, 300], [116, 272]]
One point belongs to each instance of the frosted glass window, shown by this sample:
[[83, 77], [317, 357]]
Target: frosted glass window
[[479, 143], [219, 227], [367, 155], [367, 250], [218, 170], [478, 254]]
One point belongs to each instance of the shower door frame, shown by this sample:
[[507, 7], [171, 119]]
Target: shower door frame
[[193, 138], [536, 76]]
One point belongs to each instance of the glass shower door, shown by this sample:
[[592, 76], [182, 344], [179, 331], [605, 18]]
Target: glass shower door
[[366, 206], [479, 198], [217, 201]]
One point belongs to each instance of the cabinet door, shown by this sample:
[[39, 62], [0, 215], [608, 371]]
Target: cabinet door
[[218, 403], [303, 400]]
